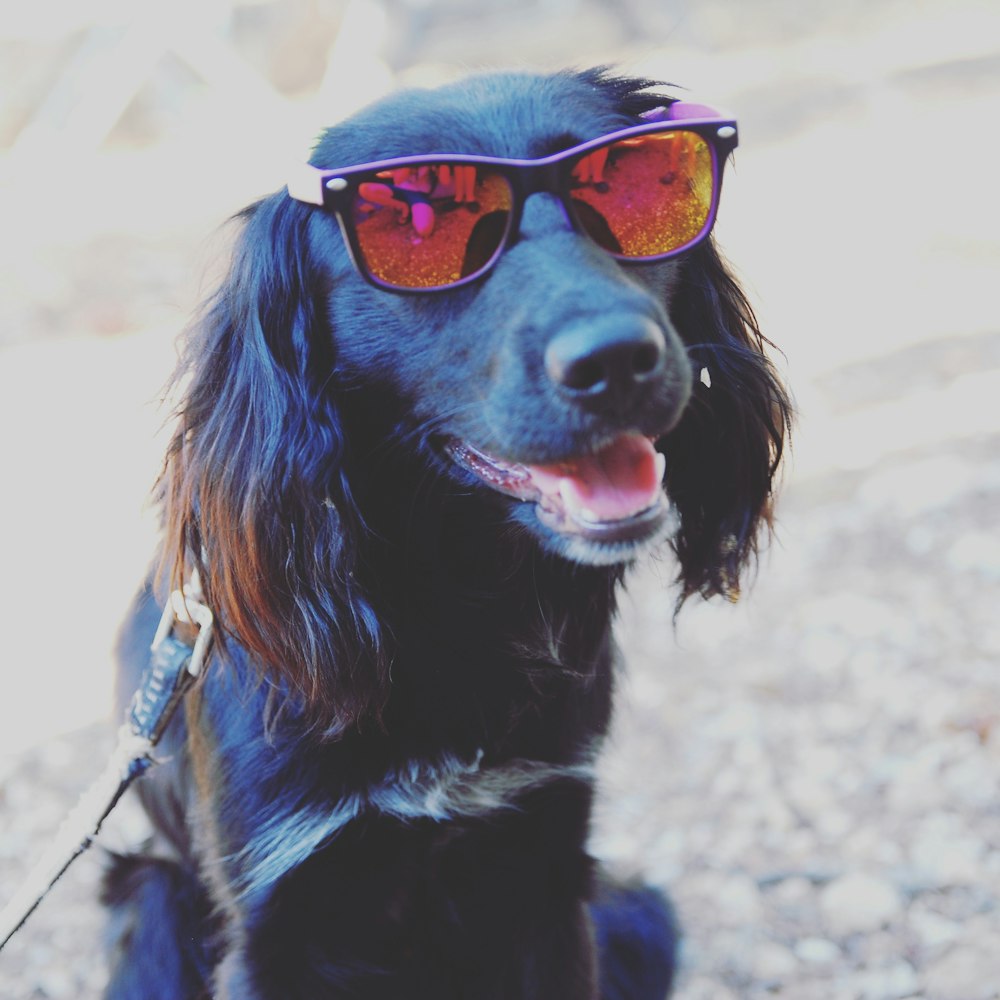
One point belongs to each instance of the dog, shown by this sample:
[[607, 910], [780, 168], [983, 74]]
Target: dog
[[476, 360]]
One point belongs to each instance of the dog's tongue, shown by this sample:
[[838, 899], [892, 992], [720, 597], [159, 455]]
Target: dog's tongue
[[618, 482]]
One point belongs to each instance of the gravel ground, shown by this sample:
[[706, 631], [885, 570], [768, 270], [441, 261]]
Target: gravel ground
[[826, 810], [812, 773]]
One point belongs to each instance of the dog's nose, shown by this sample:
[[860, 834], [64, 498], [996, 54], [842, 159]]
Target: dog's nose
[[606, 361]]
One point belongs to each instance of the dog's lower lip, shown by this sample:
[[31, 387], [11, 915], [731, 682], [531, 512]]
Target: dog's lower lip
[[556, 506], [633, 528]]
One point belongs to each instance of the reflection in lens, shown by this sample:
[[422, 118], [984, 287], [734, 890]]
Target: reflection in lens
[[645, 196], [431, 224]]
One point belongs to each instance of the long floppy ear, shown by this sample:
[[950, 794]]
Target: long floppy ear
[[254, 486], [723, 457]]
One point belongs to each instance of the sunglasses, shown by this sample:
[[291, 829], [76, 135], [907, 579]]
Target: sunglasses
[[434, 222]]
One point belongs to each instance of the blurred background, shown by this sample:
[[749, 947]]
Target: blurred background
[[812, 773]]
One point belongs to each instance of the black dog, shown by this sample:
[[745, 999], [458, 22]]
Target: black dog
[[410, 514]]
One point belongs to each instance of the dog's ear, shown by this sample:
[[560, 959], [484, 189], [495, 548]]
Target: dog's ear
[[723, 457], [254, 488]]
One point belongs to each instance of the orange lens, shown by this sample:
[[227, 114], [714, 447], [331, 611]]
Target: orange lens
[[432, 224], [645, 196]]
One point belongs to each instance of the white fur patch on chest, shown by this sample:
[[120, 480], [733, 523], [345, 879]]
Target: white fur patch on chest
[[446, 790]]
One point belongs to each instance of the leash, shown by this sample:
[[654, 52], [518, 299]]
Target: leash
[[177, 656]]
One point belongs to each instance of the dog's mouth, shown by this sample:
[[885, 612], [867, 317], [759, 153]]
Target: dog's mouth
[[612, 495]]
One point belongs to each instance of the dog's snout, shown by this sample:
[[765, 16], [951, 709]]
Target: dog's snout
[[606, 361]]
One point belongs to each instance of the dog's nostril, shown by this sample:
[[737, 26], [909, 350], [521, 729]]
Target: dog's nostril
[[583, 376], [605, 358], [646, 360]]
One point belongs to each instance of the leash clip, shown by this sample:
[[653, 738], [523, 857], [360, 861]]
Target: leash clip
[[177, 656], [191, 620]]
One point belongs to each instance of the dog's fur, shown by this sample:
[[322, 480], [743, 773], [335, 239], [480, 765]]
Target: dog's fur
[[382, 787]]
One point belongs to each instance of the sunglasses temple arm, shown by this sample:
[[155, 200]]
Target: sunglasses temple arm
[[305, 183]]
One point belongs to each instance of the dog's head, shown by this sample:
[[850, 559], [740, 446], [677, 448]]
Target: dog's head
[[566, 388]]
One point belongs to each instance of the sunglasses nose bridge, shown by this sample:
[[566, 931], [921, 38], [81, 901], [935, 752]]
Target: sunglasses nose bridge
[[538, 178], [541, 179]]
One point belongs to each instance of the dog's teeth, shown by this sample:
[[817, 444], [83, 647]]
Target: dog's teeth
[[661, 465], [572, 502], [706, 378]]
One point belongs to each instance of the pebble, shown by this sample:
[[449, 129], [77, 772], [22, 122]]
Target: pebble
[[793, 895], [946, 852], [774, 963], [858, 904], [967, 972], [705, 988], [817, 951], [734, 898], [977, 552], [932, 930], [891, 983], [56, 984]]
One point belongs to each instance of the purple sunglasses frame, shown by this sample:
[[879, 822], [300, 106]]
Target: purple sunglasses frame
[[334, 189]]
